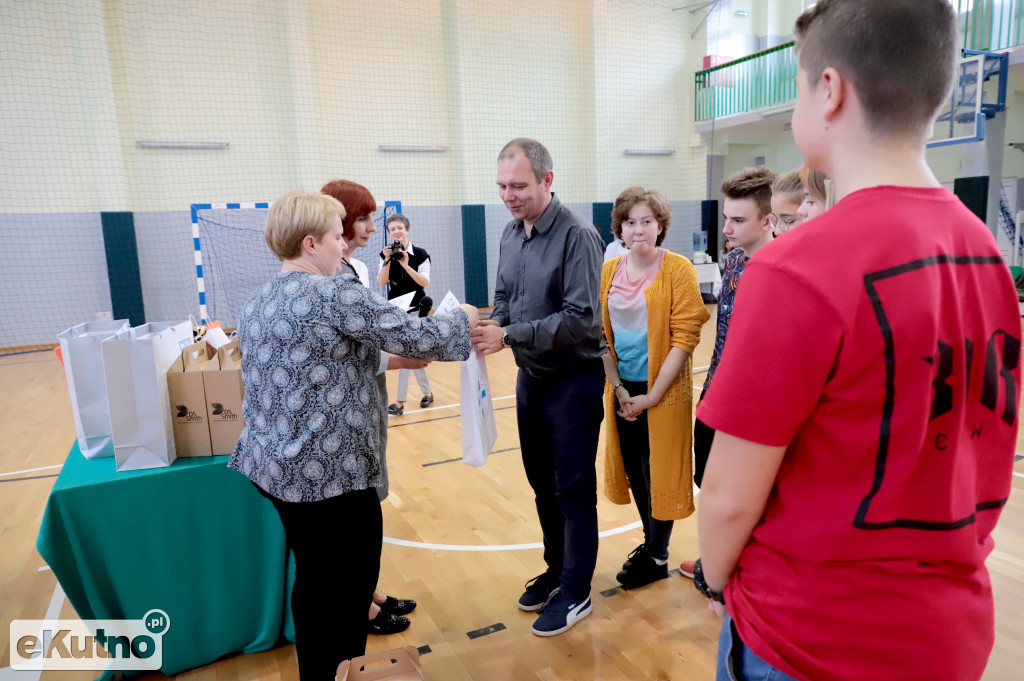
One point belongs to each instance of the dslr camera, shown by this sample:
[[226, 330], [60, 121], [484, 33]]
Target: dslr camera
[[397, 252]]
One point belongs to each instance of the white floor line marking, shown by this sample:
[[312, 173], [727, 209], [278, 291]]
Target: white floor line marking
[[52, 613], [449, 406], [1019, 475], [11, 674], [503, 397], [32, 470], [44, 568], [502, 547]]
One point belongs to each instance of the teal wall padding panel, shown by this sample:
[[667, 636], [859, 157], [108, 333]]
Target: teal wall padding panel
[[603, 221], [123, 266], [474, 255]]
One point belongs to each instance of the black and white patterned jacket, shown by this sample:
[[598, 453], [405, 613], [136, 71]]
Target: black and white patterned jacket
[[310, 352]]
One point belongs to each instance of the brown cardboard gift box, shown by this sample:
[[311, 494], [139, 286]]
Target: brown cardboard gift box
[[224, 399], [188, 399], [397, 664]]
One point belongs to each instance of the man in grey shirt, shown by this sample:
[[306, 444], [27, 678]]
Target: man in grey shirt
[[547, 310]]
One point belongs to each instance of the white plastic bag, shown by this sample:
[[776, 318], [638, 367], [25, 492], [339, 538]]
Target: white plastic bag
[[479, 431]]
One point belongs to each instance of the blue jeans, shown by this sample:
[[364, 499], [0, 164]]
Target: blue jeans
[[736, 662]]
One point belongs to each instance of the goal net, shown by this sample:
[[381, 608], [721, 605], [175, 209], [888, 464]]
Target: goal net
[[232, 258]]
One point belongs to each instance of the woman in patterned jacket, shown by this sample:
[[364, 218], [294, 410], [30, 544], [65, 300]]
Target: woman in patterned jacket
[[311, 343]]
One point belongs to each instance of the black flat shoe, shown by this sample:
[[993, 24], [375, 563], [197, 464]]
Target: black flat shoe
[[395, 410], [386, 623], [398, 606], [426, 401]]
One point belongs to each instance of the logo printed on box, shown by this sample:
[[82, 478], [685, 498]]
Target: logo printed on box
[[221, 413], [185, 415]]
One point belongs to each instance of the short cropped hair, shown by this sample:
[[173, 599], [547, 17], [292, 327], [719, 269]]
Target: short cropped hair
[[789, 184], [900, 56], [296, 215], [398, 217], [752, 183], [656, 201], [356, 198], [535, 152]]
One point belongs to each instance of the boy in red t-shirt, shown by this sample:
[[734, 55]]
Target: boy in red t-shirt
[[849, 499]]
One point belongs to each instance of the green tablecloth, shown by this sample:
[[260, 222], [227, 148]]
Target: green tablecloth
[[195, 540]]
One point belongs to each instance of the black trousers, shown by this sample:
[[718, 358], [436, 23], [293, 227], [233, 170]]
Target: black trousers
[[635, 446], [703, 436], [337, 545], [559, 424]]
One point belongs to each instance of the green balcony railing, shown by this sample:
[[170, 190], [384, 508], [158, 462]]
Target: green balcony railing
[[768, 78], [761, 80], [992, 25]]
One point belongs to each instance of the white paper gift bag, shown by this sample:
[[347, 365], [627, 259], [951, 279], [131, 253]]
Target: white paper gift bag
[[83, 367], [479, 431], [135, 365]]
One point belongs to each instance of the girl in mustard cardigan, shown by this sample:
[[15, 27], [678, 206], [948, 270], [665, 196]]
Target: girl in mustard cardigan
[[652, 314]]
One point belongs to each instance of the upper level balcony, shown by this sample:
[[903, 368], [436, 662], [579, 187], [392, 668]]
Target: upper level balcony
[[765, 82]]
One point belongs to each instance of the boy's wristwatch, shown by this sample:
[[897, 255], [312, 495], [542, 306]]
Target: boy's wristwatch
[[702, 586], [505, 340]]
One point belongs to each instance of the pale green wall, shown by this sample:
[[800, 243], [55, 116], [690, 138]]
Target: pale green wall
[[305, 91]]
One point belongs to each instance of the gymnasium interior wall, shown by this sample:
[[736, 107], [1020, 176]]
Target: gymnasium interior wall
[[305, 92]]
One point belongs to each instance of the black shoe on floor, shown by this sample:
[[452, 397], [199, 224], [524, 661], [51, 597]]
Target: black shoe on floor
[[641, 572], [395, 410], [638, 551], [539, 592], [386, 623], [398, 606], [426, 401]]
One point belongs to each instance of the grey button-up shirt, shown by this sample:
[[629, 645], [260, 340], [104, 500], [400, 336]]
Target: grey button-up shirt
[[548, 290]]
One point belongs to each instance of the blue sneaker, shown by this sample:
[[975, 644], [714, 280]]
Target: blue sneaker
[[539, 592], [560, 615]]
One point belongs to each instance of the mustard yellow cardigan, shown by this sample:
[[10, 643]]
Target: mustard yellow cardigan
[[675, 315]]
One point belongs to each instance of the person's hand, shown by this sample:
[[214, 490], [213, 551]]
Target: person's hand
[[631, 407], [487, 336], [718, 608], [621, 395], [396, 362], [387, 254], [473, 313]]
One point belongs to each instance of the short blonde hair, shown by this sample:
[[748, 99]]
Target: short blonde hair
[[656, 201], [297, 214], [789, 186]]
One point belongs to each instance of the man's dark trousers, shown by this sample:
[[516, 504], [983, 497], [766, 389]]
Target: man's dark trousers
[[560, 416]]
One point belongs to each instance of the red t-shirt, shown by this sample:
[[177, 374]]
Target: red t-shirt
[[894, 332]]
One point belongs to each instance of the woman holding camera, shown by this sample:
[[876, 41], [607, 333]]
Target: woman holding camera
[[405, 269], [311, 344]]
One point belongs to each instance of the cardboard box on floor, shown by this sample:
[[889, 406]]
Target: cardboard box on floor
[[188, 399], [224, 399], [397, 664]]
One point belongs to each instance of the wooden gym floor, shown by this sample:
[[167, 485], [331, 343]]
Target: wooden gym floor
[[663, 631]]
